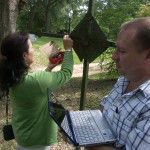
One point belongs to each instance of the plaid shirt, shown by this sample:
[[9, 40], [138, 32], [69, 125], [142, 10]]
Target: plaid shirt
[[129, 115]]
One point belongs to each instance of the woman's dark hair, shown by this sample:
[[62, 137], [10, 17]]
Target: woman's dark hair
[[12, 64]]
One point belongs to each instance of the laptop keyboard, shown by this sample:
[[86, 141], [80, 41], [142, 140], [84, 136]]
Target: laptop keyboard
[[87, 131], [102, 125]]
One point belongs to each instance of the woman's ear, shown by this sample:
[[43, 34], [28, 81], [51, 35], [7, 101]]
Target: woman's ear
[[25, 55]]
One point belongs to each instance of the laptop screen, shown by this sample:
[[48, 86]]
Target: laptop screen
[[57, 112], [60, 116]]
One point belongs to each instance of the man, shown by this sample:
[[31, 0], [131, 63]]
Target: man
[[127, 107]]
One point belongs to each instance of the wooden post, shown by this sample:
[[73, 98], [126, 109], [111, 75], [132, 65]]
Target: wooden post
[[85, 74], [85, 70], [84, 84], [90, 6]]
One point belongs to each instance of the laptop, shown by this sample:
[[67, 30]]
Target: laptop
[[83, 128]]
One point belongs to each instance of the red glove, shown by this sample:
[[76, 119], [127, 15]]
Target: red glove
[[57, 59]]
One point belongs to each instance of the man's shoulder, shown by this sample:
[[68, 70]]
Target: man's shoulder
[[145, 87]]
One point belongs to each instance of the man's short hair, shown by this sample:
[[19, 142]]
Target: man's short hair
[[142, 35]]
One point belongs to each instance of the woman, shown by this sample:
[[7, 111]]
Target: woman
[[32, 125]]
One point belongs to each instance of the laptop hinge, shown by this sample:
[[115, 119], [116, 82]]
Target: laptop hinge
[[70, 126]]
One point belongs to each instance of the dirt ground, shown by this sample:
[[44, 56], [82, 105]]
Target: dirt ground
[[77, 69], [69, 96]]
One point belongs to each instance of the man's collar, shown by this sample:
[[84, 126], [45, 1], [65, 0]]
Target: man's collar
[[145, 87]]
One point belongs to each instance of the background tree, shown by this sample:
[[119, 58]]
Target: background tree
[[8, 15], [112, 13], [42, 15], [144, 10]]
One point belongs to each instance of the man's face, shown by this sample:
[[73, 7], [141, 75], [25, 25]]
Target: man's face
[[129, 60]]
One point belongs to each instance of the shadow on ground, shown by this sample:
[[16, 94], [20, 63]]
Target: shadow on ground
[[69, 96]]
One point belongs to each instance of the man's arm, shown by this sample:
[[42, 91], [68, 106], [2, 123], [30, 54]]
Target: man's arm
[[139, 137]]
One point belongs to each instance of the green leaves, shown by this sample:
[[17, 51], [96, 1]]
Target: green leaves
[[144, 10]]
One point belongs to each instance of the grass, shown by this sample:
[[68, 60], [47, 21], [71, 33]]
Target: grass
[[69, 95], [41, 58], [43, 40], [104, 76]]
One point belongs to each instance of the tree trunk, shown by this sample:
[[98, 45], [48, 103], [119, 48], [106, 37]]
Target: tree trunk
[[8, 17], [31, 19], [47, 16]]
